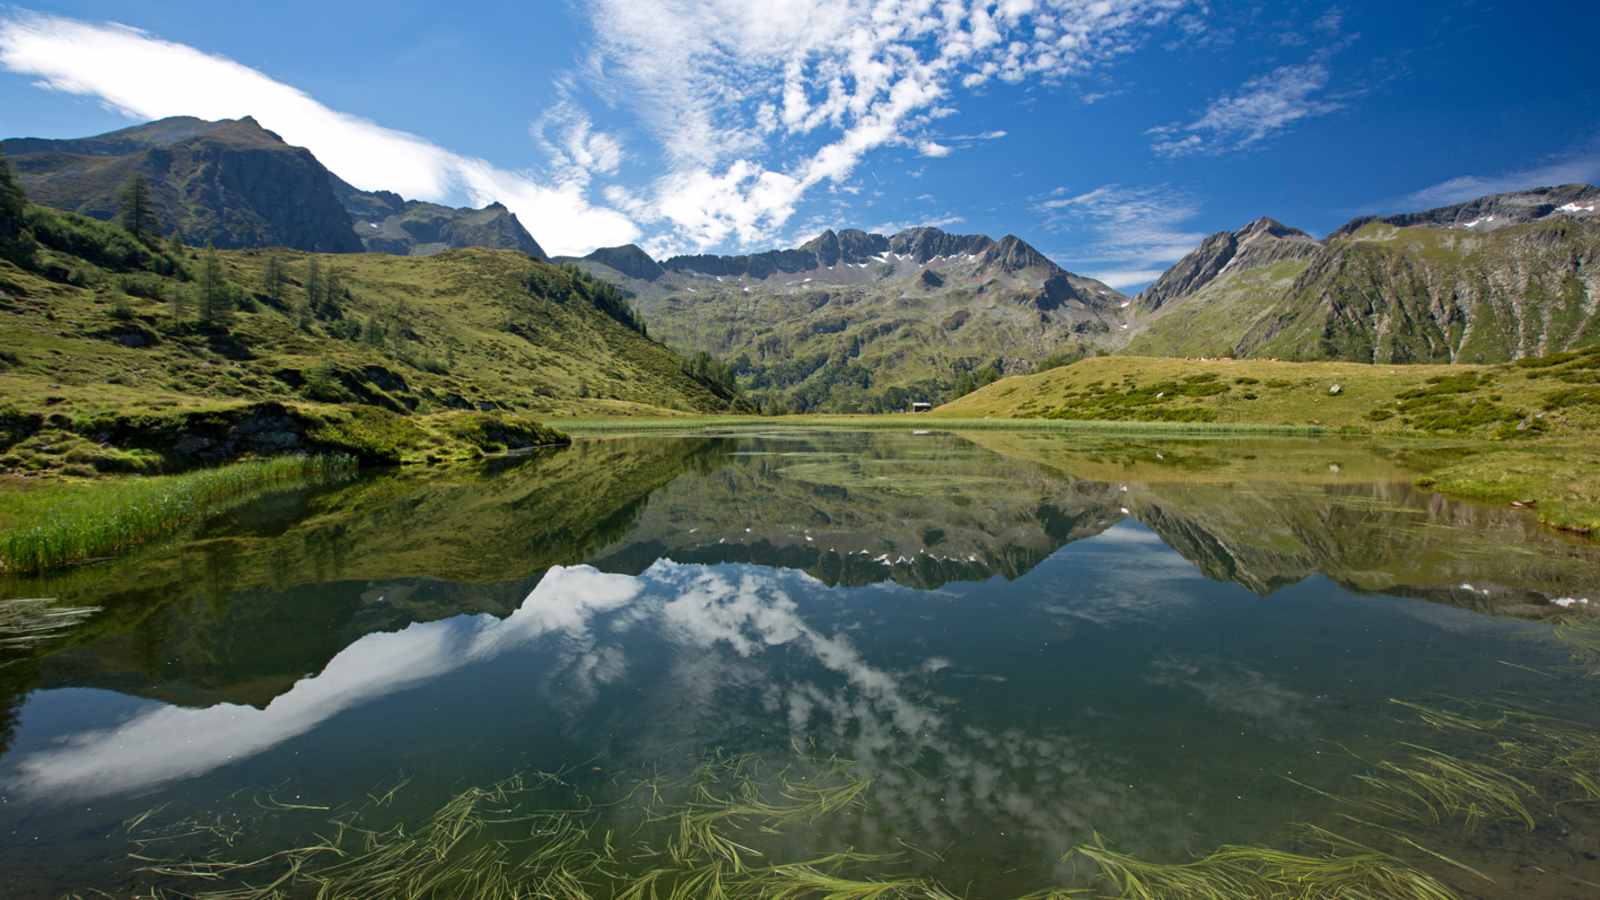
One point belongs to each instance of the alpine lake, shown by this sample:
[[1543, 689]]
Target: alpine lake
[[814, 663]]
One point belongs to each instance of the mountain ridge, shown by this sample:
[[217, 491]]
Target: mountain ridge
[[1492, 279], [235, 184], [852, 319]]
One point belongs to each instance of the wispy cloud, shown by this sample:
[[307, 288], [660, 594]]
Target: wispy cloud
[[144, 77], [1260, 109], [1133, 232], [726, 86], [1267, 105], [1578, 167]]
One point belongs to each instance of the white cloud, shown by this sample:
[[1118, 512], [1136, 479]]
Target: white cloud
[[1126, 278], [727, 85], [1261, 108], [145, 77], [1581, 167], [933, 149]]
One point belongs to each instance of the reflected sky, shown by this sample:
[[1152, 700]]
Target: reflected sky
[[1016, 662]]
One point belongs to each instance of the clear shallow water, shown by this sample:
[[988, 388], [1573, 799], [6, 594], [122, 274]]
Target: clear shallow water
[[1021, 640]]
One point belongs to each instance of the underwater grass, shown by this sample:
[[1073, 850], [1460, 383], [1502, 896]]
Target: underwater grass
[[28, 623], [722, 831], [68, 525], [1346, 870], [489, 842]]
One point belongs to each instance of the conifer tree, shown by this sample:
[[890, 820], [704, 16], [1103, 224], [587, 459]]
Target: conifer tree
[[136, 213], [216, 300], [313, 285], [273, 278]]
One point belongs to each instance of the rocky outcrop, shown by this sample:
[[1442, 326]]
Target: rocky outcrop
[[1577, 201], [231, 183]]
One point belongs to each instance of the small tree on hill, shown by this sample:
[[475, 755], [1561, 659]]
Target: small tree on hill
[[273, 279], [216, 299], [332, 294], [313, 285], [15, 241], [136, 212]]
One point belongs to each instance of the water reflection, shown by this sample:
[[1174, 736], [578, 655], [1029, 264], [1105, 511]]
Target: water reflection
[[1021, 639]]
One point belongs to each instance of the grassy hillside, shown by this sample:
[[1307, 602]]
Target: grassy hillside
[[1211, 321], [1523, 429], [1423, 293], [1559, 394], [104, 340]]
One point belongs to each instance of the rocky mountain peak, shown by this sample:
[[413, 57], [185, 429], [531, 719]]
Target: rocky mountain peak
[[1013, 254], [630, 260], [1580, 201], [925, 243], [1260, 243], [1270, 227]]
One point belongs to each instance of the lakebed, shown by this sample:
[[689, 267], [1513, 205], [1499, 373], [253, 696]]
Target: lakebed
[[825, 662]]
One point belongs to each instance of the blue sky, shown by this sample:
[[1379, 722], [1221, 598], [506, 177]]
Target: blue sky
[[1112, 135]]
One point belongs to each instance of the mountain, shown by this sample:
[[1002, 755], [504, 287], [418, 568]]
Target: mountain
[[628, 260], [234, 184], [230, 183], [1494, 211], [1261, 243], [385, 222], [1498, 278], [852, 320], [110, 364]]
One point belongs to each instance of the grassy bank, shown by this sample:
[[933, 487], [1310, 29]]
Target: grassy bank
[[50, 526], [1544, 396]]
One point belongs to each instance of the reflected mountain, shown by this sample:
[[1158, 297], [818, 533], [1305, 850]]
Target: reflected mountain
[[269, 594]]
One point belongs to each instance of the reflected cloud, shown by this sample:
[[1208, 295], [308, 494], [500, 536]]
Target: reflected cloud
[[735, 631], [142, 751]]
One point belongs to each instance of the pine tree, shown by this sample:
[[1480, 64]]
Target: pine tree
[[216, 300], [15, 241], [313, 285], [332, 293], [273, 278], [136, 214]]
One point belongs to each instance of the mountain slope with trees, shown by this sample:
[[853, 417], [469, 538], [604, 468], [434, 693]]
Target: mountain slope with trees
[[114, 344], [1499, 278]]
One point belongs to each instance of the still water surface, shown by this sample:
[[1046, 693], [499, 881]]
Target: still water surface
[[1021, 640]]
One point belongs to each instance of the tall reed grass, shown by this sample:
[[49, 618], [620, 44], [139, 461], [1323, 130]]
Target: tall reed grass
[[62, 526]]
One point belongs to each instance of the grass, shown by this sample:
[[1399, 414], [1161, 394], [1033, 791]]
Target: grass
[[1479, 401], [52, 527]]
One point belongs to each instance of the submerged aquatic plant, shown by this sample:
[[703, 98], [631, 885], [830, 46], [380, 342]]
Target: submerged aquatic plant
[[1346, 870], [27, 623], [489, 842], [84, 522]]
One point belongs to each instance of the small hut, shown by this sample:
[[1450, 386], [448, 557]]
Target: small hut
[[920, 406]]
